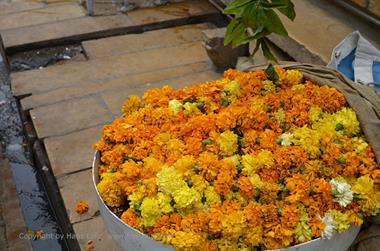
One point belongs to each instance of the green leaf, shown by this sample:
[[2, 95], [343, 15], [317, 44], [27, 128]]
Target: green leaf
[[230, 31], [279, 4], [257, 47], [235, 7], [236, 33], [266, 51], [271, 73], [272, 22], [287, 11]]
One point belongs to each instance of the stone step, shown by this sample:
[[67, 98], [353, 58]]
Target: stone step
[[7, 7], [324, 25], [70, 153], [48, 14], [76, 187], [67, 117], [114, 98], [76, 73], [117, 45], [66, 93], [85, 28], [98, 234]]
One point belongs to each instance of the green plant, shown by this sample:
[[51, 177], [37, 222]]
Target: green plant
[[254, 20]]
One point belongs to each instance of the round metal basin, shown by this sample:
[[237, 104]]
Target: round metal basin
[[129, 238]]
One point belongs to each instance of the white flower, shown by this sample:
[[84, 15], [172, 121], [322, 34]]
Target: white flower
[[286, 139], [342, 192], [328, 231], [175, 106]]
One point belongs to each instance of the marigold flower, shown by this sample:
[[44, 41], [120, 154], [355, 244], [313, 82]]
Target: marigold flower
[[150, 211], [110, 191], [130, 218], [132, 104], [342, 192], [239, 163], [340, 220], [227, 142], [81, 207]]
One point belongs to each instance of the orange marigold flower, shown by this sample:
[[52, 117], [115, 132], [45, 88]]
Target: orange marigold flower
[[130, 218], [246, 187], [81, 207]]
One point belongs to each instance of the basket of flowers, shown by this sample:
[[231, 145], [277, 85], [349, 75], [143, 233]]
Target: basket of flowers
[[275, 158]]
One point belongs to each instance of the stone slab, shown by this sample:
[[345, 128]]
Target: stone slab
[[66, 93], [38, 81], [49, 14], [149, 40], [116, 97], [95, 230], [75, 187], [63, 31], [85, 28], [324, 25], [7, 7], [66, 117], [172, 11], [72, 152]]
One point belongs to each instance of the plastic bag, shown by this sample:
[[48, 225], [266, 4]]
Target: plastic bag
[[357, 59]]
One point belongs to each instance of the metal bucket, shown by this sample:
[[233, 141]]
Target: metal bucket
[[129, 238]]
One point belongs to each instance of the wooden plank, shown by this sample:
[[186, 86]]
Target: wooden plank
[[86, 28], [100, 70], [149, 40]]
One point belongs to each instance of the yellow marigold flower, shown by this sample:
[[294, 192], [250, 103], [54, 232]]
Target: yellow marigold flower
[[175, 145], [185, 164], [297, 88], [340, 220], [175, 106], [191, 108], [135, 199], [211, 196], [315, 114], [348, 120], [162, 138], [358, 144], [268, 87], [228, 143], [199, 183], [369, 196], [150, 211], [308, 139], [81, 207], [279, 116], [232, 88], [302, 231], [110, 191], [225, 244], [186, 241], [292, 77], [164, 202], [132, 104], [233, 225], [185, 197], [252, 164], [256, 181], [169, 180], [254, 236]]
